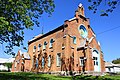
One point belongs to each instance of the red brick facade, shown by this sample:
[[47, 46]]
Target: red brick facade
[[21, 63], [73, 48], [70, 47]]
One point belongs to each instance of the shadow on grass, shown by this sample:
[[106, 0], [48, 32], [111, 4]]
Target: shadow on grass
[[21, 76], [33, 76], [30, 76]]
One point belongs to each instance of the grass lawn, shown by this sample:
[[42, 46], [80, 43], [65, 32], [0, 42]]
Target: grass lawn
[[32, 76]]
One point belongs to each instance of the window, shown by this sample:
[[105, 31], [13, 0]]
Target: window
[[63, 46], [34, 49], [58, 59], [36, 63], [51, 43], [95, 61], [43, 62], [33, 62], [15, 64], [39, 47], [44, 45], [74, 39], [49, 60], [109, 69], [81, 61], [83, 31]]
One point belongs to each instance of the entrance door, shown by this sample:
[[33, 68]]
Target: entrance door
[[96, 61]]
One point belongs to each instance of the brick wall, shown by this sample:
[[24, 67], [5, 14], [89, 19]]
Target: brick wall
[[63, 44]]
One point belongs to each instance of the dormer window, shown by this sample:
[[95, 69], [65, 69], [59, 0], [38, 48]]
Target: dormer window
[[44, 45], [51, 43]]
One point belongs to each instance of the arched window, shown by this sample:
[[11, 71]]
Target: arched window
[[74, 40], [44, 45], [43, 61], [51, 43], [15, 64], [49, 60], [83, 31], [34, 49], [39, 47], [36, 63], [58, 59]]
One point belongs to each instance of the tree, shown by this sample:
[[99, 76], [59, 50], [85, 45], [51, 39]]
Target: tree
[[8, 65], [117, 61], [110, 6], [16, 15]]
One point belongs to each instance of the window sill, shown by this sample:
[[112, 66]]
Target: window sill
[[38, 50], [58, 66], [64, 36], [81, 65], [50, 47], [63, 47], [72, 47], [44, 49], [33, 51], [49, 66], [22, 58]]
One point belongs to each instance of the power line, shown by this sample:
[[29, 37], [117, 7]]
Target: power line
[[108, 30]]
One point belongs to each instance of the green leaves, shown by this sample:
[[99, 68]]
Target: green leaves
[[110, 5], [16, 15], [116, 61]]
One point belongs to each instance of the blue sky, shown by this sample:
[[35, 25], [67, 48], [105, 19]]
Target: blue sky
[[65, 9]]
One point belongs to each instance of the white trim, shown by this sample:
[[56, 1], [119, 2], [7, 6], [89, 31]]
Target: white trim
[[72, 19], [58, 58], [86, 30]]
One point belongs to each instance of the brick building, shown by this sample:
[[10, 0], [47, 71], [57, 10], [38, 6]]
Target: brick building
[[21, 62], [70, 47]]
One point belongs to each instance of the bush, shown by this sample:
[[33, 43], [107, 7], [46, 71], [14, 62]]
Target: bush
[[4, 71]]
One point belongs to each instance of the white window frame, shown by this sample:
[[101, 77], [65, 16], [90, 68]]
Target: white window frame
[[81, 61], [58, 60], [43, 62], [95, 59], [34, 48], [39, 45], [36, 63], [51, 43], [44, 45], [49, 60]]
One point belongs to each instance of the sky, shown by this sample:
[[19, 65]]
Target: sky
[[64, 10]]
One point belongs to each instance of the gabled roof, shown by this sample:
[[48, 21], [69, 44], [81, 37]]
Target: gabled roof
[[109, 64], [44, 35], [25, 54]]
